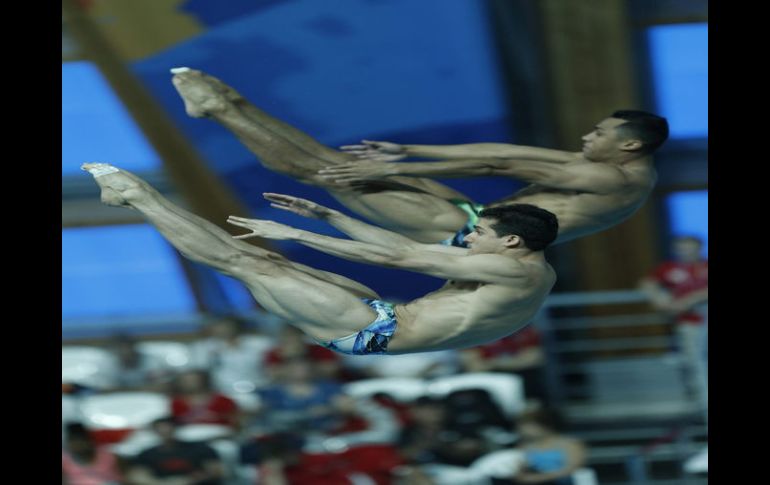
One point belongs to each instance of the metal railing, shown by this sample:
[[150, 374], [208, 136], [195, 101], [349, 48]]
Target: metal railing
[[592, 348]]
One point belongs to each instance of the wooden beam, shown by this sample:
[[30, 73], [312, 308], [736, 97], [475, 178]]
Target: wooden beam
[[591, 71], [199, 189], [205, 194]]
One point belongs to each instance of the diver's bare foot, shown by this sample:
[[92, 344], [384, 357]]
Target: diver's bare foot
[[119, 188], [228, 92], [203, 95]]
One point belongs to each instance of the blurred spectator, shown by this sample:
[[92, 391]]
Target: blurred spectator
[[135, 370], [85, 463], [426, 418], [293, 344], [175, 462], [328, 419], [301, 399], [194, 402], [281, 460], [232, 356], [680, 287], [461, 447], [455, 430], [520, 353], [550, 458], [475, 410]]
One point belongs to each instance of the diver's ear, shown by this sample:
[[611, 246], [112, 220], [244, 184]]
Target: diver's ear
[[513, 241], [631, 145]]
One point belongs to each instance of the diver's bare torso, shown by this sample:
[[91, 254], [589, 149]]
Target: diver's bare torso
[[581, 213], [464, 314]]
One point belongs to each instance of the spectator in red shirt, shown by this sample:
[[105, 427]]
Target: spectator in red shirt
[[520, 353], [680, 287], [194, 402]]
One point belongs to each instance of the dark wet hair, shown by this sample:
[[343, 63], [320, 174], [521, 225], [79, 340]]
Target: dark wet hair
[[648, 128], [537, 227]]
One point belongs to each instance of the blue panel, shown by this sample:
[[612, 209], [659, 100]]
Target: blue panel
[[213, 13], [95, 125], [341, 70], [688, 214], [119, 271], [680, 70], [344, 69]]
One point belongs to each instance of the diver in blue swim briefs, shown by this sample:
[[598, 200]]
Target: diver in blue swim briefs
[[494, 286], [434, 322]]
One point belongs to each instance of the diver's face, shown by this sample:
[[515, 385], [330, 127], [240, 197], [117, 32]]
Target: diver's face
[[484, 239], [604, 142]]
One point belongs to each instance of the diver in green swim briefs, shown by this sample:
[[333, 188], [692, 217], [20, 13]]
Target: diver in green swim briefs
[[494, 287], [589, 191]]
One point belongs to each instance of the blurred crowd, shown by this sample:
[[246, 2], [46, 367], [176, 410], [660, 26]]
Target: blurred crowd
[[238, 405], [247, 403]]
